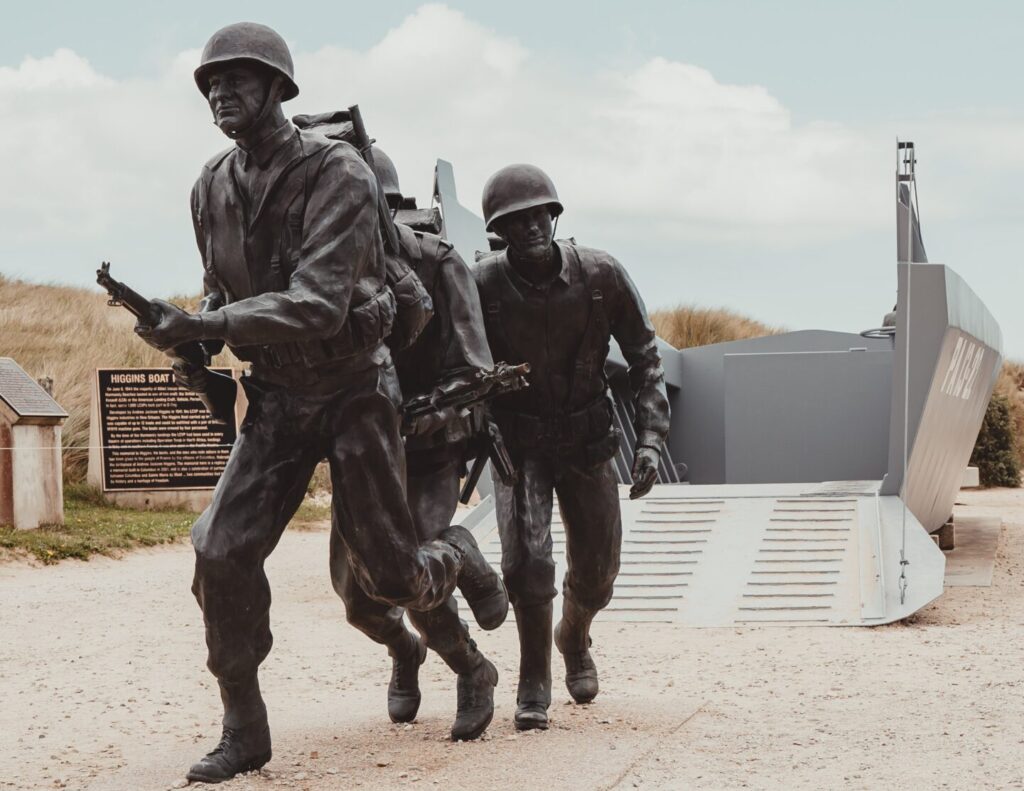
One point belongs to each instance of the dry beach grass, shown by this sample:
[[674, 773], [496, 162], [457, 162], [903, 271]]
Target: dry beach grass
[[687, 325], [66, 333]]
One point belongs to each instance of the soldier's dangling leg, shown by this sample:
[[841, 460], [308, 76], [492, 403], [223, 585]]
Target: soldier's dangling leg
[[524, 524], [259, 491], [588, 498], [384, 624], [388, 560], [433, 485]]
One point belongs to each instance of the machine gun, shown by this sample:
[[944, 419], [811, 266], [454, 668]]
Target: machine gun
[[467, 393], [215, 390], [485, 385]]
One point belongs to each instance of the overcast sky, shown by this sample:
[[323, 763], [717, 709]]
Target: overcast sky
[[735, 154]]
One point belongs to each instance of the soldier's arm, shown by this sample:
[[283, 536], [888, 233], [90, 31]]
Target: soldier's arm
[[457, 294], [631, 327], [339, 237]]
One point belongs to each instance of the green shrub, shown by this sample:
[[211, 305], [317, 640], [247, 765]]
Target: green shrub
[[994, 453]]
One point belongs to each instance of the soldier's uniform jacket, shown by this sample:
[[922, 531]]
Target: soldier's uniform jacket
[[288, 234], [562, 328], [454, 342]]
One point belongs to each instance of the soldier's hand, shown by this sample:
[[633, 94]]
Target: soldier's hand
[[645, 471], [190, 377], [174, 328]]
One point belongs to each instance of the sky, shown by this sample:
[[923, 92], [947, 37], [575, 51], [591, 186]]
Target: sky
[[730, 154]]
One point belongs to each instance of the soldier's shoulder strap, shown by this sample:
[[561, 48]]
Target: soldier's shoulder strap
[[423, 245], [408, 241], [590, 358], [432, 246], [487, 272], [596, 266]]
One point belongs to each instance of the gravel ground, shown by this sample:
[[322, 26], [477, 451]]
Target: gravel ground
[[103, 686]]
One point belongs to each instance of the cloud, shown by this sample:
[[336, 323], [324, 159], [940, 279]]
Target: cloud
[[63, 71], [660, 149]]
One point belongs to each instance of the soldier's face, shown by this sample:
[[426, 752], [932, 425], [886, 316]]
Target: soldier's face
[[237, 93], [529, 232]]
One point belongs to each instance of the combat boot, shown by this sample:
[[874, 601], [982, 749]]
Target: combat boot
[[533, 696], [245, 741], [580, 670], [404, 687], [475, 697], [479, 584]]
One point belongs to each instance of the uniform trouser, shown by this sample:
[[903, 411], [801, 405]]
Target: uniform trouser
[[284, 435], [588, 499], [433, 486]]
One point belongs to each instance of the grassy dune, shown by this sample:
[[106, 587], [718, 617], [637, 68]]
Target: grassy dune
[[66, 334], [687, 326]]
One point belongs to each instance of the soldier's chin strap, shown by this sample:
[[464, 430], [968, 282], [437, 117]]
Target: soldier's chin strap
[[273, 94]]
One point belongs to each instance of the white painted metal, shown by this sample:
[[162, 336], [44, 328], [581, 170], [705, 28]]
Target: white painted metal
[[775, 554]]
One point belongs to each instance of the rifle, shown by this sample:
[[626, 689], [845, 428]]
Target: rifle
[[364, 145], [464, 394], [215, 390]]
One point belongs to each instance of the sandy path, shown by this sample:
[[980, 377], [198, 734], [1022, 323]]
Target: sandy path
[[103, 686]]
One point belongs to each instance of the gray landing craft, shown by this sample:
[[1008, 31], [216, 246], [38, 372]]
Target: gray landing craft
[[817, 463]]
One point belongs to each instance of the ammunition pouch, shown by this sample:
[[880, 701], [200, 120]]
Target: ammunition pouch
[[373, 320], [599, 451], [413, 306], [586, 435]]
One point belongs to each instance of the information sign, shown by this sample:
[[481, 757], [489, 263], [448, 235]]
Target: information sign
[[157, 435]]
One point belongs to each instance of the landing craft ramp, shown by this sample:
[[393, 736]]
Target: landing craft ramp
[[779, 554]]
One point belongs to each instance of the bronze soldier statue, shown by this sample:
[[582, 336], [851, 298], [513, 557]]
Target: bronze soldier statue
[[453, 347], [556, 305], [287, 227]]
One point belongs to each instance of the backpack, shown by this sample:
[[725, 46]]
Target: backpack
[[414, 306]]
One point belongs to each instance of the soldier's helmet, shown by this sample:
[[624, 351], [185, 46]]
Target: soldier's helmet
[[518, 187], [247, 41], [387, 174]]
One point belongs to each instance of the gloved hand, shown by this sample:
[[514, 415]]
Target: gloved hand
[[190, 377], [431, 422], [174, 328], [645, 471]]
